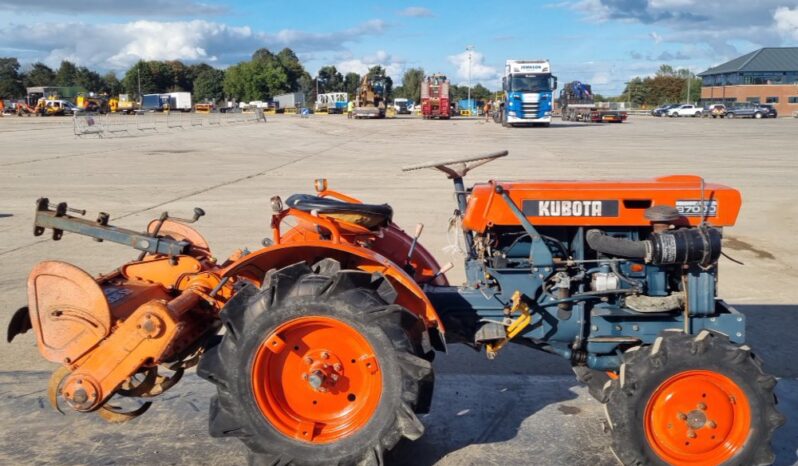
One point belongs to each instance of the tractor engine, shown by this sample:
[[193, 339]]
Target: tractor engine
[[587, 270]]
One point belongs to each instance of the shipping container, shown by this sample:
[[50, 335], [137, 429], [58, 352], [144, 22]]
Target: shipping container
[[292, 100], [180, 101]]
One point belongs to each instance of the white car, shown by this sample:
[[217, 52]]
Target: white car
[[685, 111]]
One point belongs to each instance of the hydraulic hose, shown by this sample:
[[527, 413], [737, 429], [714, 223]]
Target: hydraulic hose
[[622, 247]]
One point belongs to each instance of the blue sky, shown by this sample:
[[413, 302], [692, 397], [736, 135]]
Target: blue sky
[[603, 42]]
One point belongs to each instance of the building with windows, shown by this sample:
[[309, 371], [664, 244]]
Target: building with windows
[[768, 76]]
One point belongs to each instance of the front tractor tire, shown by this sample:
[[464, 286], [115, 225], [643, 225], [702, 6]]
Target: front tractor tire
[[692, 400], [318, 367]]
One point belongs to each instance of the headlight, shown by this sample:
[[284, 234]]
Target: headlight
[[511, 113], [547, 114]]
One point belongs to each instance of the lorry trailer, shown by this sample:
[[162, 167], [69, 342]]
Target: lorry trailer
[[576, 103]]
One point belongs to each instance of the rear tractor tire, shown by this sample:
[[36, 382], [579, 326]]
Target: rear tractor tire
[[318, 367], [692, 400]]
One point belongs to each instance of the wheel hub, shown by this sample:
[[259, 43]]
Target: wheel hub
[[697, 417], [316, 379]]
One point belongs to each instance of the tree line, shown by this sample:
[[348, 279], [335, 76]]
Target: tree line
[[262, 77], [668, 85]]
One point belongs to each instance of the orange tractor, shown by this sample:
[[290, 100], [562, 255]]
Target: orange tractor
[[320, 343]]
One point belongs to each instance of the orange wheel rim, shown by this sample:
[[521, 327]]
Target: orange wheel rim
[[316, 379], [697, 417]]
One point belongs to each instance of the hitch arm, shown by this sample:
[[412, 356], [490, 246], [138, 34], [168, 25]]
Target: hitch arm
[[59, 221]]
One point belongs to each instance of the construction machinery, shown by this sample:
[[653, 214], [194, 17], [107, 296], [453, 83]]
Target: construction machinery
[[331, 327], [371, 97], [123, 104], [93, 103], [577, 104], [204, 107], [435, 99]]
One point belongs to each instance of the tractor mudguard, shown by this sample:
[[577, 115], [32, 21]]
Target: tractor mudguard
[[254, 266], [392, 243], [395, 243]]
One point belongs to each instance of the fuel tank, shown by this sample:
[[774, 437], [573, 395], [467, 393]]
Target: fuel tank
[[601, 203]]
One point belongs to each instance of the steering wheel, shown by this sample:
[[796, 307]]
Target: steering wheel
[[459, 167]]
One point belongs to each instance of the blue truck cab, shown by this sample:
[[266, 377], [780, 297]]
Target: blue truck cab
[[528, 92]]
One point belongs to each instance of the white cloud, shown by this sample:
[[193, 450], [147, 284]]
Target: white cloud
[[669, 3], [416, 12], [719, 25], [137, 8], [479, 70], [393, 66], [601, 78], [116, 46], [787, 22], [656, 37]]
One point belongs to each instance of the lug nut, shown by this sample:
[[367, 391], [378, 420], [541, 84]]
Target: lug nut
[[702, 406], [316, 379], [80, 396], [325, 355], [337, 367], [691, 433], [682, 416], [308, 360], [711, 424]]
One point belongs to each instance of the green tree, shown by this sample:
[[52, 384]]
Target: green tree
[[411, 84], [636, 92], [39, 75], [111, 84], [665, 70], [156, 77], [351, 83], [88, 79], [480, 92], [263, 54], [255, 80], [292, 67], [10, 79], [330, 80], [307, 86], [209, 85], [67, 74], [178, 76]]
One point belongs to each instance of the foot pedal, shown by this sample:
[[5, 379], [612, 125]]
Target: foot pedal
[[491, 331]]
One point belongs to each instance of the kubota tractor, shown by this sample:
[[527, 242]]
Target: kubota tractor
[[320, 343]]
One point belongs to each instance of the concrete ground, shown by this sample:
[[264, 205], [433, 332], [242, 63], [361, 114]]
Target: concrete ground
[[232, 171]]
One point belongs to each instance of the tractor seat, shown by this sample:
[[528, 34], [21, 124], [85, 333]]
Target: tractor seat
[[370, 216]]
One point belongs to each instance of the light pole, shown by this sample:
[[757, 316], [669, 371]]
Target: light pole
[[469, 49], [689, 78]]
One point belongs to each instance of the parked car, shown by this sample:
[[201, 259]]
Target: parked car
[[685, 111], [663, 109], [772, 112], [71, 109], [714, 111], [757, 111]]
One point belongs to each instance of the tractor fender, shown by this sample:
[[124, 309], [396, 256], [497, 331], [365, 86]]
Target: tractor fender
[[254, 266]]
